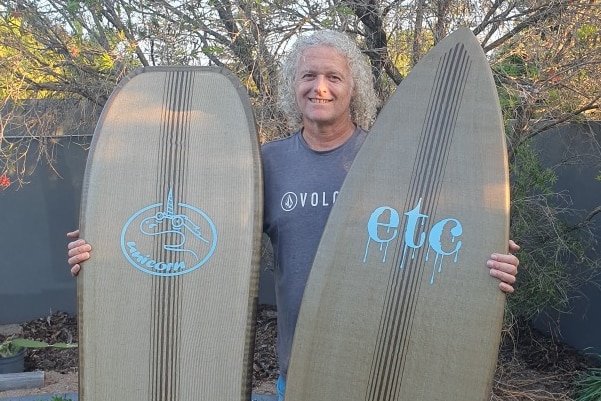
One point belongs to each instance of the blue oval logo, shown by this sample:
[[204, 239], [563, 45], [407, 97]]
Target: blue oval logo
[[168, 239]]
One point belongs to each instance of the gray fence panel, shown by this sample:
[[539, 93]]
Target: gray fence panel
[[575, 151], [34, 219]]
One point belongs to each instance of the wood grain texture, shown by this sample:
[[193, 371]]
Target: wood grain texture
[[399, 304], [172, 205]]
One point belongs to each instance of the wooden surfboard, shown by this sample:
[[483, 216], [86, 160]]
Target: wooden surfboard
[[399, 304], [172, 205]]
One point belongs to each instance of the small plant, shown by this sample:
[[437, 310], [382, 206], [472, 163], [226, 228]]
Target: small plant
[[12, 346], [589, 386], [8, 349]]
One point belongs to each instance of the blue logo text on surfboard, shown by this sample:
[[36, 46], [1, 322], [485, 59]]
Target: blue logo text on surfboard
[[158, 241], [383, 227]]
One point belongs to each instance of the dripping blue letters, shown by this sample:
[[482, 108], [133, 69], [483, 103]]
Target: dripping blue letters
[[185, 240], [383, 227]]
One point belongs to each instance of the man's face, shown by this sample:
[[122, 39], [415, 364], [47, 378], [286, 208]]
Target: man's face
[[323, 86]]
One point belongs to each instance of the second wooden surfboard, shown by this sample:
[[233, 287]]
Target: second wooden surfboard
[[399, 304]]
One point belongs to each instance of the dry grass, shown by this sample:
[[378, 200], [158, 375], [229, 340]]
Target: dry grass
[[516, 382]]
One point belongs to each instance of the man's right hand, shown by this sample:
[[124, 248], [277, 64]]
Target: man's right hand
[[78, 252]]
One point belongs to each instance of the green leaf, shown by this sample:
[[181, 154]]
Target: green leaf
[[64, 345], [22, 342]]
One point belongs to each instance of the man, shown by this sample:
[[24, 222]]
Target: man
[[327, 93]]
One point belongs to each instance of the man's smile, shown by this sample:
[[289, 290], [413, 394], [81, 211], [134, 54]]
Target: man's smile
[[320, 101]]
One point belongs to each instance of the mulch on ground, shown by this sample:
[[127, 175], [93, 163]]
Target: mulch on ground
[[532, 366]]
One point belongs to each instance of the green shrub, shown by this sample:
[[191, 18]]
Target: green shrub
[[589, 386]]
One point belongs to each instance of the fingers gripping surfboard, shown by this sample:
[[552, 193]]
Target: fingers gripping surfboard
[[172, 205], [399, 304]]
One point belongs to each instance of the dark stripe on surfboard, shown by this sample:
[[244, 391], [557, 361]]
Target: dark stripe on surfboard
[[388, 363], [173, 159]]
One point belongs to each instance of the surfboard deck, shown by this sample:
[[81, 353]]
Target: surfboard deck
[[399, 304], [172, 205]]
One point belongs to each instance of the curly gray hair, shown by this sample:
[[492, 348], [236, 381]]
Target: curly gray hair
[[364, 102]]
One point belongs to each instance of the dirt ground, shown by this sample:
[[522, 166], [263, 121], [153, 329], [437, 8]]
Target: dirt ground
[[531, 366]]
